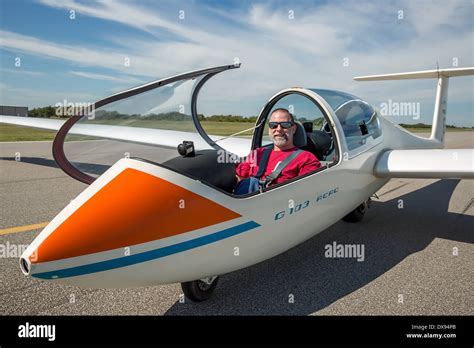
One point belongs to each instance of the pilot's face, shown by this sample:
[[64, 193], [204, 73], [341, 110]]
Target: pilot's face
[[281, 137]]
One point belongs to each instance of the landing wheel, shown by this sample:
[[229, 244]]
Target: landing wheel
[[358, 213], [201, 289]]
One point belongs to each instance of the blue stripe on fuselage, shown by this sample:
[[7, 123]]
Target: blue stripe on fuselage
[[148, 255]]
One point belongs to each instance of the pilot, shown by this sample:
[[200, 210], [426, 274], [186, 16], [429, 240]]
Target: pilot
[[283, 162]]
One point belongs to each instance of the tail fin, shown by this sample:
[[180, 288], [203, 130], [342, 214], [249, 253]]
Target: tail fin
[[441, 102]]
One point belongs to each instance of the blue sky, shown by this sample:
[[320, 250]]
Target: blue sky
[[280, 44]]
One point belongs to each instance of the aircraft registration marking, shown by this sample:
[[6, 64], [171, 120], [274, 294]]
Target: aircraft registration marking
[[299, 207]]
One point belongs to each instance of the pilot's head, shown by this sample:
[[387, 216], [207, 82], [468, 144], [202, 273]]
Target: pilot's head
[[281, 129]]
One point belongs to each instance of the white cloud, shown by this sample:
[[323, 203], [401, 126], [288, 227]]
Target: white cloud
[[21, 72], [39, 98], [130, 14], [76, 54], [95, 76]]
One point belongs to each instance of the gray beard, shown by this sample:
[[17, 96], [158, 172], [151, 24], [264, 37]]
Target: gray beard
[[280, 140]]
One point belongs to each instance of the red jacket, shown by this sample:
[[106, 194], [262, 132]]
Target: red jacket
[[304, 163]]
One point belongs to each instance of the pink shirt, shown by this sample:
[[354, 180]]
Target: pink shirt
[[304, 163]]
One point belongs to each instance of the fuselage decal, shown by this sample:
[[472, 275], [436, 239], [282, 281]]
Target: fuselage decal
[[148, 255]]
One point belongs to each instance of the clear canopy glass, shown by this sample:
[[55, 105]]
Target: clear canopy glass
[[358, 118]]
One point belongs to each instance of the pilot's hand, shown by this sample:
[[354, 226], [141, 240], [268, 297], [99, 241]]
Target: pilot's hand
[[238, 178]]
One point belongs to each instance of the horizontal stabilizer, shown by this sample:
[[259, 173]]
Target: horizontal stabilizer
[[427, 74], [431, 163], [441, 102]]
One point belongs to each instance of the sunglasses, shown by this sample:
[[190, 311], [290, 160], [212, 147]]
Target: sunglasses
[[285, 125]]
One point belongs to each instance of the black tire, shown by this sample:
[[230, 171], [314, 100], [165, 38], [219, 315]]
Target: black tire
[[357, 214], [198, 290]]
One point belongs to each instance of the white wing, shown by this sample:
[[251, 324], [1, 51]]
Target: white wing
[[445, 163], [148, 136], [34, 122]]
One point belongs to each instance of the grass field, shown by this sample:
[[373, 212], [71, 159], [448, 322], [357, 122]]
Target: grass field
[[16, 133], [19, 133], [215, 128], [428, 130]]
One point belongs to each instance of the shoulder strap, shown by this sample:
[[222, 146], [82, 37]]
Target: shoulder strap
[[263, 162], [281, 166]]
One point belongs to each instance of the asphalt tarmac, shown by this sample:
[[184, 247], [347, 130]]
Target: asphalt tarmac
[[418, 260]]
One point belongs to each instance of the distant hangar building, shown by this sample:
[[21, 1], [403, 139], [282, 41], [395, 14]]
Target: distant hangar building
[[14, 110]]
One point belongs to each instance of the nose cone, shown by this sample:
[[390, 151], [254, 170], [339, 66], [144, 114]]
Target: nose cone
[[25, 266], [132, 208]]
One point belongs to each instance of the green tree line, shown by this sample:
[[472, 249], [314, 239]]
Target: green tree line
[[50, 112], [423, 125]]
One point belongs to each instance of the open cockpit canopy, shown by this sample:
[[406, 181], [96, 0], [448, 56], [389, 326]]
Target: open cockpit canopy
[[135, 122]]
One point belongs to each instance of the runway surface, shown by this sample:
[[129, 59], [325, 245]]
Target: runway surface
[[418, 260]]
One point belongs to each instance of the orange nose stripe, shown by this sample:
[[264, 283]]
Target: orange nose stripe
[[133, 208]]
